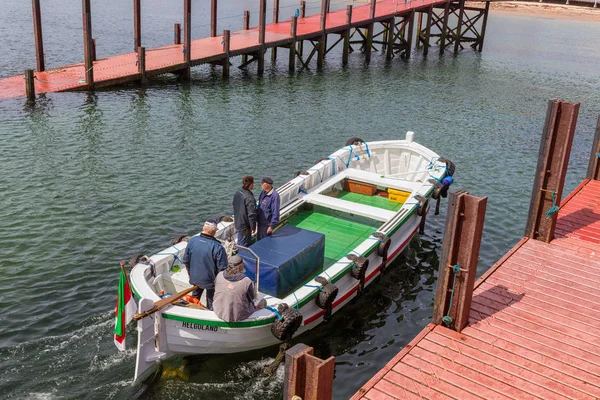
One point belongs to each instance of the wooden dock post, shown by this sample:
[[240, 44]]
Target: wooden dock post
[[444, 31], [306, 376], [428, 31], [226, 46], [177, 34], [553, 159], [594, 166], [246, 26], [409, 37], [275, 20], [141, 52], [87, 43], [479, 46], [458, 34], [94, 50], [369, 41], [261, 36], [419, 30], [322, 41], [29, 84], [389, 51], [346, 50], [187, 38], [137, 24], [302, 15], [458, 263], [292, 58], [213, 18], [37, 33]]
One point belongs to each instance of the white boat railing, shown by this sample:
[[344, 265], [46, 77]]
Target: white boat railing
[[257, 261]]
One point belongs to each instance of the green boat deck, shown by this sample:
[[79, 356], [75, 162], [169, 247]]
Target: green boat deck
[[343, 231], [373, 201]]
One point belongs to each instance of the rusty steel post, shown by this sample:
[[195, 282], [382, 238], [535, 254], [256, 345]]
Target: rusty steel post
[[187, 38], [458, 262], [461, 14], [94, 50], [322, 40], [137, 24], [37, 33], [262, 22], [29, 84], [177, 34], [142, 64], [307, 376], [275, 20], [226, 47], [594, 166], [213, 18], [292, 58], [346, 50], [87, 43], [246, 26], [553, 159], [428, 31]]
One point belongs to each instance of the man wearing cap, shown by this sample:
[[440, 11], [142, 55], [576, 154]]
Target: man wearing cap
[[234, 293], [203, 258], [268, 208], [244, 211]]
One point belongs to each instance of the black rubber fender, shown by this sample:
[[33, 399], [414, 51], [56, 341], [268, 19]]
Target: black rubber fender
[[359, 271], [298, 173], [437, 190], [384, 245], [327, 294], [354, 141], [423, 203], [444, 191], [283, 329], [179, 238], [142, 259], [449, 166]]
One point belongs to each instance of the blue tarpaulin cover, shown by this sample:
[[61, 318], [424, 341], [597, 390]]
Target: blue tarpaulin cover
[[287, 258]]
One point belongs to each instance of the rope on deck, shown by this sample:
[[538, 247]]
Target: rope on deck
[[67, 81], [554, 209], [447, 319]]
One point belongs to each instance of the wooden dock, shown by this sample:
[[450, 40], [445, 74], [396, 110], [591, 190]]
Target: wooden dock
[[532, 331], [396, 18]]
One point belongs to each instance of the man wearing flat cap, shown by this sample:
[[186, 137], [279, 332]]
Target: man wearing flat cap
[[234, 293], [203, 258], [268, 209]]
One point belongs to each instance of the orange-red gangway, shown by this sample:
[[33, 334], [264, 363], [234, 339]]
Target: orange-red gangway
[[123, 68], [534, 330]]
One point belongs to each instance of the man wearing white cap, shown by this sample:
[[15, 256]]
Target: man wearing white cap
[[204, 257]]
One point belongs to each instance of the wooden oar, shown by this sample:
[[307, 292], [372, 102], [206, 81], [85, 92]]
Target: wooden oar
[[159, 305]]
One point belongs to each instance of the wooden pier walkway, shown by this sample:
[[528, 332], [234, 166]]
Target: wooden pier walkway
[[534, 330], [119, 69]]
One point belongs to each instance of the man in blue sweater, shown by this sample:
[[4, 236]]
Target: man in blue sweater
[[204, 258], [268, 209]]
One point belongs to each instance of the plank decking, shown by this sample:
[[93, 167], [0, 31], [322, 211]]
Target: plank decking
[[534, 330]]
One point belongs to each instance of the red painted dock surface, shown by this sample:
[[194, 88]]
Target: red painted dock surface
[[534, 330], [122, 68]]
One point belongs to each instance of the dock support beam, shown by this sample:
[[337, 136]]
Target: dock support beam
[[177, 34], [187, 38], [302, 15], [479, 45], [37, 32], [346, 50], [275, 20], [292, 58], [458, 33], [553, 159], [137, 25], [246, 26], [94, 50], [307, 376], [444, 31], [87, 43], [142, 64], [428, 31], [226, 46], [261, 36], [29, 85], [213, 18], [369, 41], [391, 35], [409, 36], [458, 263], [323, 39], [594, 166]]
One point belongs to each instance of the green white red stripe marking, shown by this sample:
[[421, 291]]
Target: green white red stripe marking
[[124, 311]]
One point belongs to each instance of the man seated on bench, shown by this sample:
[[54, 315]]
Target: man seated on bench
[[234, 293]]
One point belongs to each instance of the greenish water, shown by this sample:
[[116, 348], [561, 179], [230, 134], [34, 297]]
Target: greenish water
[[89, 180]]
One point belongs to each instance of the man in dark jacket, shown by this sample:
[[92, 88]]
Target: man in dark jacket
[[268, 209], [234, 293], [204, 257], [244, 211]]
